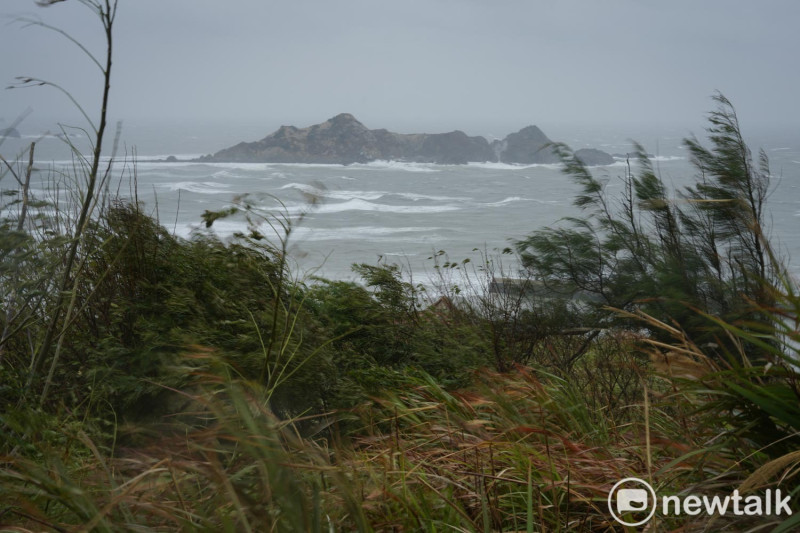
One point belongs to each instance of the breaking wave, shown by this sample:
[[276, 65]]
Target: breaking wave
[[347, 194], [511, 166], [205, 187], [358, 204]]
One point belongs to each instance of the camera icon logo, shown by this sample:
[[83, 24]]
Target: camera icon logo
[[632, 501]]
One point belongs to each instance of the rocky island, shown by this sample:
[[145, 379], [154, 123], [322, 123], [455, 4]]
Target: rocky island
[[344, 140]]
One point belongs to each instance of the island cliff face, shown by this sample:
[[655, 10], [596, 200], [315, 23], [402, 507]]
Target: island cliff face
[[344, 140], [528, 146]]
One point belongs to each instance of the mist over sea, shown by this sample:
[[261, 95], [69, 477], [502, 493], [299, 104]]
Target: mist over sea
[[392, 211]]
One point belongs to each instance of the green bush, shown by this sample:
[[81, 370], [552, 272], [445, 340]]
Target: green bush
[[703, 248]]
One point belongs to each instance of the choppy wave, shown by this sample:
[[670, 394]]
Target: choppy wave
[[511, 166], [506, 201], [181, 158], [622, 161], [240, 167], [334, 194], [354, 195], [226, 173], [205, 187], [667, 158], [358, 204], [515, 166], [348, 194], [374, 165], [398, 165], [418, 196], [364, 205], [226, 228], [359, 232]]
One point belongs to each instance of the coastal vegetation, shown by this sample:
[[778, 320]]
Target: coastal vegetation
[[153, 383]]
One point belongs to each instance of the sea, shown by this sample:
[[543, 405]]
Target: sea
[[413, 215]]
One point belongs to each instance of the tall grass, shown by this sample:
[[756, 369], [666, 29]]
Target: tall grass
[[516, 452]]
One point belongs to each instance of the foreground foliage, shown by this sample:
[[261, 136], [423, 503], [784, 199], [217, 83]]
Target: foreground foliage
[[665, 252]]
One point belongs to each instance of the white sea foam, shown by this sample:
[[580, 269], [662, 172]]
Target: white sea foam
[[667, 158], [309, 165], [399, 165], [334, 194], [363, 205], [358, 204], [306, 233], [347, 194], [506, 201], [248, 167], [227, 228], [205, 187], [353, 195], [511, 166], [433, 197], [304, 187]]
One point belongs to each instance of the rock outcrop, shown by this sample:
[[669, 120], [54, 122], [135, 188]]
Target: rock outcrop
[[344, 140], [528, 146], [592, 157]]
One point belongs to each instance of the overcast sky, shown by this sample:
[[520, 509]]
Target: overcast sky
[[476, 65]]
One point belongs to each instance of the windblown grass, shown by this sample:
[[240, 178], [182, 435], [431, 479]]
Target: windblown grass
[[514, 452]]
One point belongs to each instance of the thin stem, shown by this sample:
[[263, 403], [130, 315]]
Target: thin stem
[[107, 17]]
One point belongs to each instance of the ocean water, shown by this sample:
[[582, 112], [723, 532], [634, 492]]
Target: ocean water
[[390, 211]]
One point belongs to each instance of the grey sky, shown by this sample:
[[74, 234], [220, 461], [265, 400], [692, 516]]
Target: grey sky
[[477, 65]]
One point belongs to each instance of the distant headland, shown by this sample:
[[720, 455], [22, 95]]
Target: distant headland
[[344, 140]]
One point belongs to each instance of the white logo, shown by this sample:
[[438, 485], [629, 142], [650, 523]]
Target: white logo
[[632, 496], [632, 502]]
